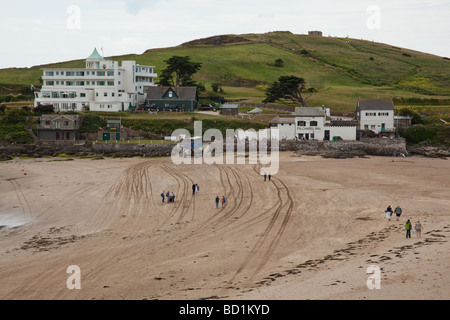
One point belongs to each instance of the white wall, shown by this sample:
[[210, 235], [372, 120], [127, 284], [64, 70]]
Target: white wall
[[374, 123]]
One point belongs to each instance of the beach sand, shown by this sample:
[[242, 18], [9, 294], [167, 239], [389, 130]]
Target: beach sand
[[310, 233]]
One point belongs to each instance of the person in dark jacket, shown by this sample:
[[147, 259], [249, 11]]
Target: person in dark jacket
[[398, 212], [408, 228]]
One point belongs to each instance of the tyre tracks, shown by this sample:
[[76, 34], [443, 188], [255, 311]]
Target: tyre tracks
[[25, 205], [266, 245]]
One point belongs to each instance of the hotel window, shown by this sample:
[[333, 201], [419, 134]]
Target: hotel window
[[110, 73], [100, 73], [113, 94], [301, 123], [105, 94], [49, 73], [62, 83], [50, 83], [70, 83], [100, 83], [80, 73], [80, 83], [55, 95], [57, 83], [62, 73], [314, 124], [70, 73], [46, 94], [57, 73], [111, 83], [83, 95]]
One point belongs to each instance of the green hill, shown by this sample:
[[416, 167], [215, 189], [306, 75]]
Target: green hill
[[342, 69]]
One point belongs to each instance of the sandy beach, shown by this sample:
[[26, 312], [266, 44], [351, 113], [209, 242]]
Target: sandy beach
[[310, 233]]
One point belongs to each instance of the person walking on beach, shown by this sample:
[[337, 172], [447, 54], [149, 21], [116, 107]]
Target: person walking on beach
[[398, 212], [389, 213], [418, 229], [408, 227], [223, 202], [270, 177], [163, 196], [194, 188], [217, 202], [265, 177]]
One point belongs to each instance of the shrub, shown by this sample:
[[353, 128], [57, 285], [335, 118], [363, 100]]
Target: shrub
[[418, 134], [279, 63], [15, 115], [44, 109]]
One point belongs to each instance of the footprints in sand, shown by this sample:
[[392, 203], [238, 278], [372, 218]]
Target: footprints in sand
[[52, 241], [360, 248]]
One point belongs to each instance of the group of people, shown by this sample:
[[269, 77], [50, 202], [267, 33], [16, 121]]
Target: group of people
[[195, 189], [267, 176], [224, 201], [170, 197], [408, 226]]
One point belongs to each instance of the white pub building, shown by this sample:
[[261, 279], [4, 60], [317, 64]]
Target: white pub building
[[102, 86]]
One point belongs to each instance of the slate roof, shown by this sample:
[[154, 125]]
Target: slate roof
[[376, 104], [283, 121], [230, 106], [183, 93], [70, 117], [310, 112]]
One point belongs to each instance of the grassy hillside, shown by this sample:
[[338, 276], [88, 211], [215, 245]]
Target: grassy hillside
[[342, 69]]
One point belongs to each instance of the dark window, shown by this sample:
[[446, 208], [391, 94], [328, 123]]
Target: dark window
[[314, 124]]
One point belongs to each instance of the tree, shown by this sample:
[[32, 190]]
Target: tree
[[215, 87], [179, 72], [15, 115], [289, 91], [279, 63]]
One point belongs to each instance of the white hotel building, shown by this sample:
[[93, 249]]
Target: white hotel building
[[102, 86]]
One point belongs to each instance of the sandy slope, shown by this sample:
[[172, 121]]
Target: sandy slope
[[311, 233]]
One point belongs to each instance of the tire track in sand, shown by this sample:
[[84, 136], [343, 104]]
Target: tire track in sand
[[122, 192], [266, 245]]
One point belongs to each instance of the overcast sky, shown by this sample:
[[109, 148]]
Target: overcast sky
[[38, 32]]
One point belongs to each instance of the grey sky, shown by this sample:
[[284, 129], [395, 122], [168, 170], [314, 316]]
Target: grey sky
[[39, 32]]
